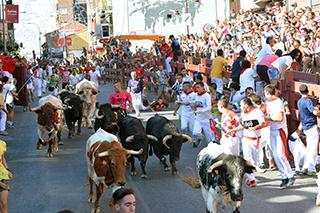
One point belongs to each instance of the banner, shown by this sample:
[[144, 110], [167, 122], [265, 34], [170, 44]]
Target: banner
[[12, 13]]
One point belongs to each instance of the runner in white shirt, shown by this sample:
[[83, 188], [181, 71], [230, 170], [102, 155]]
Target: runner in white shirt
[[278, 135], [252, 120], [266, 50], [186, 114], [247, 79], [94, 76], [73, 79], [202, 110]]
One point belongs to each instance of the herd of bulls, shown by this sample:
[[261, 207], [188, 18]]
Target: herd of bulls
[[219, 174]]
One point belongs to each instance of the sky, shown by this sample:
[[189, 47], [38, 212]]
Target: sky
[[36, 12]]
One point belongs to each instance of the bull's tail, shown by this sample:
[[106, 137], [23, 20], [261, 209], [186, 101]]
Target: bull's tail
[[150, 151], [192, 180]]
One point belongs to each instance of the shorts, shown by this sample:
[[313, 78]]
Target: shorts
[[10, 107], [273, 73], [1, 189]]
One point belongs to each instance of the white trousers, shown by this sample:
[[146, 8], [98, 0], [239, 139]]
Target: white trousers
[[277, 149], [312, 138], [38, 87], [3, 121], [187, 123], [219, 83], [231, 143], [202, 126], [44, 85], [168, 65], [136, 101], [250, 153], [298, 150], [265, 143]]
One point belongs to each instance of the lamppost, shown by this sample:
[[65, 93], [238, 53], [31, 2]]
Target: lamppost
[[3, 28], [39, 35]]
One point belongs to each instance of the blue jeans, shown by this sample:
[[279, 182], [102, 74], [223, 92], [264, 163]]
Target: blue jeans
[[273, 73]]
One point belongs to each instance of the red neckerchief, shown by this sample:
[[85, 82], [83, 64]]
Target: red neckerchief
[[189, 92], [204, 92], [250, 109], [273, 98]]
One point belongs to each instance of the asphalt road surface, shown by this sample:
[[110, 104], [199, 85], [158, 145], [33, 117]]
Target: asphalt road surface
[[43, 185]]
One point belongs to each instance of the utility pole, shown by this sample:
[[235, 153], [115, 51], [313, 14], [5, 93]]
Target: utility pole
[[4, 28], [187, 11]]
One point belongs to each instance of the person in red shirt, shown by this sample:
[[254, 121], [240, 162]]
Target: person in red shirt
[[167, 55], [120, 97], [138, 70]]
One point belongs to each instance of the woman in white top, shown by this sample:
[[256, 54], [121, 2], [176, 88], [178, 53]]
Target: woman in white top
[[280, 65]]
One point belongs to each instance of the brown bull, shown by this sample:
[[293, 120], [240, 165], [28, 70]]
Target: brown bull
[[50, 124], [106, 160]]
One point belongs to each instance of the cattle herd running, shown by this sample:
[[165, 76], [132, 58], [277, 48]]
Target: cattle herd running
[[220, 173]]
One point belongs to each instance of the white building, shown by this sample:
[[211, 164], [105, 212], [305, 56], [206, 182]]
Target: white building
[[166, 17]]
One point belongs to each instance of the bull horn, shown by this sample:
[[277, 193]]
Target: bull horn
[[151, 137], [97, 114], [132, 152], [129, 139], [215, 165], [33, 109], [103, 154], [165, 139], [187, 137]]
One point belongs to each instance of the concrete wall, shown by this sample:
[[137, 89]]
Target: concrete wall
[[150, 16]]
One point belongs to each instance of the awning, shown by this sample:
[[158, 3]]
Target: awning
[[106, 41]]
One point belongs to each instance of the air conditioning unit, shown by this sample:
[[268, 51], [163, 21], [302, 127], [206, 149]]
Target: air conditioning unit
[[105, 30]]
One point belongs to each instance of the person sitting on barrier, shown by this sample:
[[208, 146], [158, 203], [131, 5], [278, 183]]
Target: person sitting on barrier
[[283, 63]]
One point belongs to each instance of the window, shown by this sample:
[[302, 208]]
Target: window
[[63, 11]]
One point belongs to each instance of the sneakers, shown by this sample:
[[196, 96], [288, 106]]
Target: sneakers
[[284, 183], [4, 133], [252, 183], [287, 182], [312, 173], [195, 144], [309, 173], [291, 181]]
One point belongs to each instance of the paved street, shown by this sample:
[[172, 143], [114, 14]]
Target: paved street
[[43, 185]]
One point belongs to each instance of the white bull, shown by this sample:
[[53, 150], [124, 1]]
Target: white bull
[[87, 91]]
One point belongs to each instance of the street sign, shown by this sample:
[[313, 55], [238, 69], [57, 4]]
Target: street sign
[[12, 13]]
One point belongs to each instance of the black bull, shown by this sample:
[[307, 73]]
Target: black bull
[[134, 137], [108, 118], [72, 111], [169, 140]]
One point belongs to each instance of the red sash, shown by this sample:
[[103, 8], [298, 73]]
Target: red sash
[[283, 137], [213, 129]]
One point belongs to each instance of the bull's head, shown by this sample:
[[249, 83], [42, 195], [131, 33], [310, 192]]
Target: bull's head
[[86, 94], [174, 143], [109, 118], [111, 162], [231, 170], [48, 116], [141, 141]]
